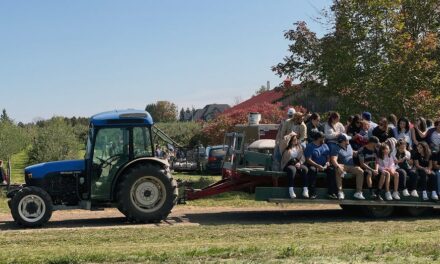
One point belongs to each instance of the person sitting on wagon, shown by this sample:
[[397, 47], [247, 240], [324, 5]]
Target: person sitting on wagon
[[313, 125], [317, 155], [436, 168], [423, 163], [341, 157], [292, 161], [404, 168], [388, 170], [433, 137], [383, 131], [332, 129], [367, 157]]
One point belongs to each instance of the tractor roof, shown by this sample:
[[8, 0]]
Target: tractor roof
[[122, 117]]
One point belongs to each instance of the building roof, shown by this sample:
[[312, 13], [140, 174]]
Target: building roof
[[125, 117], [209, 111], [267, 97]]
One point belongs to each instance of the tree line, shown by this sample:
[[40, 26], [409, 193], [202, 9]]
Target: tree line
[[57, 138]]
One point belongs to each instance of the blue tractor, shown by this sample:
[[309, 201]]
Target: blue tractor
[[119, 170]]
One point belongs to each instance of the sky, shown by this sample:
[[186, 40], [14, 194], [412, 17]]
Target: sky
[[82, 57]]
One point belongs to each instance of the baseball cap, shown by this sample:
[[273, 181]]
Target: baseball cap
[[291, 111], [343, 137], [366, 116]]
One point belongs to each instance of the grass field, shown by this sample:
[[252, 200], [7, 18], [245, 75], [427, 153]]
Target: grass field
[[336, 242], [312, 240]]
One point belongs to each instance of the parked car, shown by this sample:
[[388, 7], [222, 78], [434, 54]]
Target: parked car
[[212, 164]]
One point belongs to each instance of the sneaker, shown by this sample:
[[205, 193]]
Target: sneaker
[[5, 182], [373, 194], [388, 196], [305, 192], [414, 194], [332, 196], [379, 197], [341, 195], [405, 193], [396, 196], [313, 196], [425, 196], [292, 193], [359, 196], [434, 196]]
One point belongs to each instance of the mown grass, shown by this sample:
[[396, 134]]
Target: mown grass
[[18, 163], [346, 242]]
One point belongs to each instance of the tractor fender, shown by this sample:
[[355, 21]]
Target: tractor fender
[[160, 162], [13, 191]]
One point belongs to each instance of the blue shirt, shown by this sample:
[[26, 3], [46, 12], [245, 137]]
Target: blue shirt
[[345, 156], [318, 154]]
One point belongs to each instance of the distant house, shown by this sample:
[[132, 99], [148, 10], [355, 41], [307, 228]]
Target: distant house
[[207, 113]]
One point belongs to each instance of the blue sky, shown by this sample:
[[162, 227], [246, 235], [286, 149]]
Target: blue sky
[[78, 58]]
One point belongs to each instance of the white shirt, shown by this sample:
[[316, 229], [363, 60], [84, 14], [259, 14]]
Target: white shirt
[[294, 153], [404, 135], [331, 133]]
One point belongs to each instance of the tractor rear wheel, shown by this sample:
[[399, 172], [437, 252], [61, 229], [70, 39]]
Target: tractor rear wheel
[[31, 206], [146, 193]]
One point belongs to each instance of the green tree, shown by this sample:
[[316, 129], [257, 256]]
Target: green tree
[[4, 117], [182, 115], [13, 139], [262, 89], [55, 140], [381, 56], [184, 133], [162, 111]]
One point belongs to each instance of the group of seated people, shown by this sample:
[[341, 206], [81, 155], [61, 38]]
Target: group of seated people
[[393, 154]]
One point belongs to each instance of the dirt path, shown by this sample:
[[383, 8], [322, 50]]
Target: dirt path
[[199, 216], [185, 215]]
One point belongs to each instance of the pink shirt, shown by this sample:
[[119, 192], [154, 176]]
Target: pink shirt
[[386, 163]]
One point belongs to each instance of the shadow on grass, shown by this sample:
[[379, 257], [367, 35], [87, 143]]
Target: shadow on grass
[[253, 217]]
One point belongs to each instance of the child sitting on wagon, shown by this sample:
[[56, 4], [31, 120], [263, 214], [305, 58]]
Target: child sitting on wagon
[[388, 168]]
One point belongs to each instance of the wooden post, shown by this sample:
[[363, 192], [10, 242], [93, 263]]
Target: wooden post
[[9, 172]]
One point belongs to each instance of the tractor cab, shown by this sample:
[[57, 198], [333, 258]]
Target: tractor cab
[[119, 169], [115, 139]]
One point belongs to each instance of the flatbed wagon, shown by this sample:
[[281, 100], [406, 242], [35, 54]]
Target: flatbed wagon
[[252, 171]]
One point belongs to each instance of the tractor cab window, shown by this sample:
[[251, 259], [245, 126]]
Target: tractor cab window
[[142, 146], [110, 153]]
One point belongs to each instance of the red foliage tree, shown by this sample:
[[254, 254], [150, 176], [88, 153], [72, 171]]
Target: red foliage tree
[[215, 129]]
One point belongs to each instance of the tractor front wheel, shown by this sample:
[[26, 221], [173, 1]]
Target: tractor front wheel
[[146, 193], [31, 207]]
